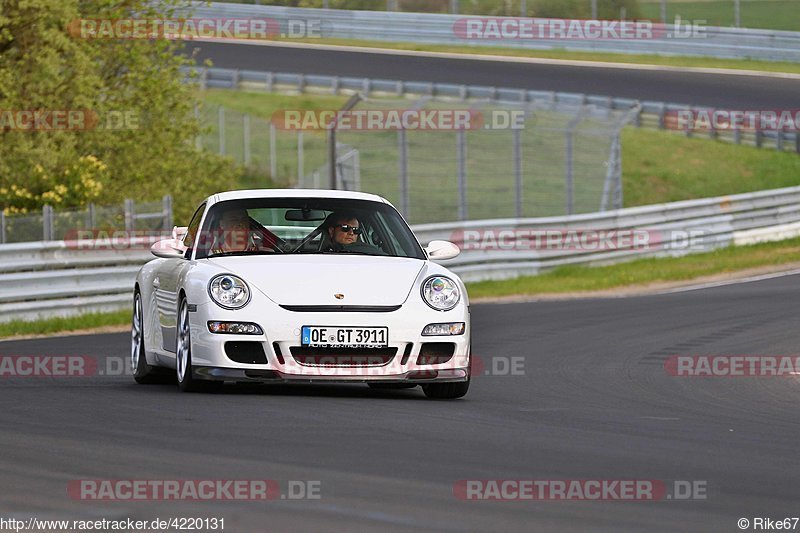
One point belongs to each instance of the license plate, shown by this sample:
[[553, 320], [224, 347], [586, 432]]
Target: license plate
[[345, 337]]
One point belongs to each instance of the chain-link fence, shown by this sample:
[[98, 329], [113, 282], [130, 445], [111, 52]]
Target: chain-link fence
[[50, 224], [560, 158]]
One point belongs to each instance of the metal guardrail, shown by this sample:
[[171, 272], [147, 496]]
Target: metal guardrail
[[729, 43], [52, 278], [651, 114]]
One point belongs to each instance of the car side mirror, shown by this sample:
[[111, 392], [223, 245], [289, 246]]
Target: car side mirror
[[441, 250], [171, 248]]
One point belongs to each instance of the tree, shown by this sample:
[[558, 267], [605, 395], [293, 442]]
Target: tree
[[138, 119]]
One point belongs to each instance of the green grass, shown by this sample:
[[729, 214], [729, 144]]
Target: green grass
[[644, 271], [662, 166], [768, 14], [641, 59], [64, 324]]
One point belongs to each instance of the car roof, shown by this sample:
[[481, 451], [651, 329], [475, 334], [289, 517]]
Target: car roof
[[292, 193]]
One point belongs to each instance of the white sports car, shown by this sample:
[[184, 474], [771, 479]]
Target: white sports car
[[301, 286]]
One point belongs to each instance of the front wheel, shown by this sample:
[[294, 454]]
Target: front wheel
[[183, 356], [446, 391]]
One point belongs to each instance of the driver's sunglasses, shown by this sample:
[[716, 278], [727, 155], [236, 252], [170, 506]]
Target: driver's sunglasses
[[347, 229]]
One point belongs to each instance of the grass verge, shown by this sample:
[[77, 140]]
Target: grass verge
[[643, 271], [46, 326]]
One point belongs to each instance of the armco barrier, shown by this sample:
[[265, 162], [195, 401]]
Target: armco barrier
[[51, 278], [426, 28]]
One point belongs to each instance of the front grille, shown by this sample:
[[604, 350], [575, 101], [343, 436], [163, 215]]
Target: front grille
[[342, 357], [342, 308]]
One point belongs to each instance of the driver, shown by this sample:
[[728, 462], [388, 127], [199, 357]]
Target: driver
[[344, 230]]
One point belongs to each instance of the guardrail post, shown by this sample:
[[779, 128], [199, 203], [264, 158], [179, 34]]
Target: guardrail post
[[335, 85], [300, 157], [130, 215], [402, 148], [221, 128], [461, 154], [269, 83], [204, 78], [2, 227], [737, 135], [246, 138], [47, 223], [273, 152], [759, 138], [235, 79], [779, 141], [797, 141], [517, 149], [166, 211], [301, 83], [662, 117]]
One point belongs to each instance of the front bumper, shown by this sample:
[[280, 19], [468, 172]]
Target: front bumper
[[281, 338]]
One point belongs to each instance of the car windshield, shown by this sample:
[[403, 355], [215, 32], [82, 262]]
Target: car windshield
[[305, 226]]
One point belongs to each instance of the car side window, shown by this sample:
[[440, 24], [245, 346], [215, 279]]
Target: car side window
[[194, 225]]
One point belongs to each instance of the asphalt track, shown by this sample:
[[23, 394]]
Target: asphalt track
[[695, 88], [592, 401]]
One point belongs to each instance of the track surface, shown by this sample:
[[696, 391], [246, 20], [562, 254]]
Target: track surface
[[735, 92], [594, 403]]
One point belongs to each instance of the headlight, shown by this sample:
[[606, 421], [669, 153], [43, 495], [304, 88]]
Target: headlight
[[229, 291], [440, 293]]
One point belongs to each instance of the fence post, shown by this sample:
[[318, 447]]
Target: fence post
[[166, 210], [92, 213], [246, 138], [129, 215], [47, 223], [569, 178], [221, 127], [517, 149], [402, 146], [461, 154], [2, 227], [300, 156], [198, 141], [273, 153]]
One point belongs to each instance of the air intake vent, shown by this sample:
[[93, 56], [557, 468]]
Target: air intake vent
[[251, 353]]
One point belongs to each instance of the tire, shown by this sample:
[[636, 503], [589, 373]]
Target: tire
[[183, 356], [391, 386], [143, 373], [446, 391]]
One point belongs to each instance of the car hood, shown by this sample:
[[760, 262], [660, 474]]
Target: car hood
[[316, 279]]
